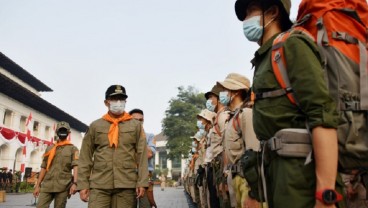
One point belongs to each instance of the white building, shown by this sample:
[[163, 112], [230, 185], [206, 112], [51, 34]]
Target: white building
[[175, 168], [19, 97]]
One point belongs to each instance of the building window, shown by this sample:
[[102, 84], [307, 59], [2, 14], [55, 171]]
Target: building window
[[176, 163], [163, 158], [47, 132], [7, 118], [22, 124], [35, 128]]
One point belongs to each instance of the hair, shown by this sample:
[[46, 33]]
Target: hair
[[283, 16], [244, 94], [136, 110]]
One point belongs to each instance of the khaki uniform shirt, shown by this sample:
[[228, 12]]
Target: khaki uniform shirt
[[105, 167], [237, 140], [208, 155], [202, 151], [59, 175], [217, 133]]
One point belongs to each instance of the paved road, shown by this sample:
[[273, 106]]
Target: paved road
[[169, 198]]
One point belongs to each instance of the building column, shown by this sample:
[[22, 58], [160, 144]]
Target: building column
[[169, 167], [2, 112], [41, 131], [15, 124], [157, 159]]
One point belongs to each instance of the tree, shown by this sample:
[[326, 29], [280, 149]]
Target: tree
[[179, 123]]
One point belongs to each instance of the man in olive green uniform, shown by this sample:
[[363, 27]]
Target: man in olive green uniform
[[113, 168], [293, 180], [239, 135], [218, 194], [147, 201], [55, 181]]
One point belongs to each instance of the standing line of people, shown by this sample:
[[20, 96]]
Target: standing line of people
[[298, 136], [225, 132]]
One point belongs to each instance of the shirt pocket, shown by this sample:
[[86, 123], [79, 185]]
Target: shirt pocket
[[102, 138], [67, 159], [127, 135]]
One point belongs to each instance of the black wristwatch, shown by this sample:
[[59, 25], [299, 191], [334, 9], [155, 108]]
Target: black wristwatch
[[74, 182], [328, 196]]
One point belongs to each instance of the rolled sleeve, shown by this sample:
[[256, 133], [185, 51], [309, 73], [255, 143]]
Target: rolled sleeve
[[307, 80]]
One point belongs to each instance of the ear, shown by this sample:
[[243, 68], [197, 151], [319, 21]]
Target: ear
[[273, 12], [106, 103]]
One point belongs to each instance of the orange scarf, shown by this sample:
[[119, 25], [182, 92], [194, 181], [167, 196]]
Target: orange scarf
[[52, 152], [114, 128]]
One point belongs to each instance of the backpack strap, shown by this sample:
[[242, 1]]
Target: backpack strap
[[363, 76], [279, 65], [236, 122]]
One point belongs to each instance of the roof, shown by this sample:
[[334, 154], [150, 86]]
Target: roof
[[22, 74], [21, 94], [160, 137]]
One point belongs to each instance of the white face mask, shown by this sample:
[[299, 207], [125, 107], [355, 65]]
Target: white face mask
[[117, 107]]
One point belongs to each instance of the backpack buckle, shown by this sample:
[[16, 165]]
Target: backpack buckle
[[275, 143], [277, 57]]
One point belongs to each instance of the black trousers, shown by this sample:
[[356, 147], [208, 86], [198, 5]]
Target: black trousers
[[214, 200]]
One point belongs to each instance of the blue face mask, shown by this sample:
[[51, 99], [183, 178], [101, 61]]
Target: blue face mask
[[194, 149], [201, 132], [211, 107], [224, 98], [252, 28], [194, 144], [200, 125]]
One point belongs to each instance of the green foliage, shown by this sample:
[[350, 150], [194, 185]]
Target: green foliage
[[180, 120]]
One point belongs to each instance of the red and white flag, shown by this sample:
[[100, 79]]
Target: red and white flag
[[23, 164], [29, 119]]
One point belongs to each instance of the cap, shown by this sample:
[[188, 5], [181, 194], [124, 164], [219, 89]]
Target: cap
[[115, 90], [206, 114], [62, 124], [242, 5], [214, 91], [235, 81]]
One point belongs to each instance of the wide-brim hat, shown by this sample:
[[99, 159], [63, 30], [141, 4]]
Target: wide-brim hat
[[242, 5], [235, 81], [206, 114], [214, 91], [115, 90], [197, 136]]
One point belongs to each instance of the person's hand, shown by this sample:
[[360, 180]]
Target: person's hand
[[36, 191], [84, 195], [140, 192], [73, 189], [319, 204], [250, 203]]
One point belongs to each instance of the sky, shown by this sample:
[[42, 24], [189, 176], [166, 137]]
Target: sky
[[80, 47]]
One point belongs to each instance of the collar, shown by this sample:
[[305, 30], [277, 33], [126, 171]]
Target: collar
[[263, 49]]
